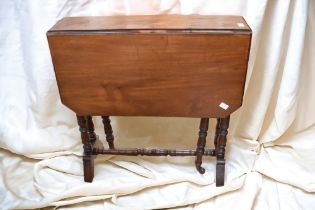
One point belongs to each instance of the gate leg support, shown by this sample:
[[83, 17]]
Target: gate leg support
[[220, 143], [87, 133], [108, 132], [203, 128]]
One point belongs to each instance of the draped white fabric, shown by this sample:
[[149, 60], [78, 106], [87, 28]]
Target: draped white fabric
[[271, 146]]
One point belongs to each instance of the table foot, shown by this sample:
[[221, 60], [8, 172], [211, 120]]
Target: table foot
[[88, 165], [203, 128], [220, 169]]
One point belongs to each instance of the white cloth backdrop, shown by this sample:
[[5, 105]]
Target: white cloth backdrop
[[271, 148]]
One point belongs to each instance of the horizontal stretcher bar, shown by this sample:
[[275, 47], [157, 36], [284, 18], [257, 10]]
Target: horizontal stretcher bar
[[151, 152]]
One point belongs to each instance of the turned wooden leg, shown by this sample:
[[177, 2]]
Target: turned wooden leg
[[108, 131], [216, 132], [90, 129], [203, 128], [220, 141], [88, 160]]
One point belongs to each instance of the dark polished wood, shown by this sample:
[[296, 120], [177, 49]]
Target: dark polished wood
[[168, 65], [90, 129], [221, 138], [88, 159], [108, 131], [151, 152], [217, 129], [203, 128]]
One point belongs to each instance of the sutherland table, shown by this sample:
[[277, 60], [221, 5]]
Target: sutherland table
[[172, 66]]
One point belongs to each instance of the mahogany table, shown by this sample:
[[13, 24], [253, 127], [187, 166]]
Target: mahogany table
[[170, 65]]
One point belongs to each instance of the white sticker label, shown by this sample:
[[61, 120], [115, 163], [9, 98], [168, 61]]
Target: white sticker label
[[224, 106], [241, 25]]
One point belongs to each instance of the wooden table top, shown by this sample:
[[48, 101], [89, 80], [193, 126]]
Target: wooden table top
[[169, 65], [153, 22]]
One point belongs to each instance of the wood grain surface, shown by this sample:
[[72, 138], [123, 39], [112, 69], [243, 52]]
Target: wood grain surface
[[182, 74], [170, 22]]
